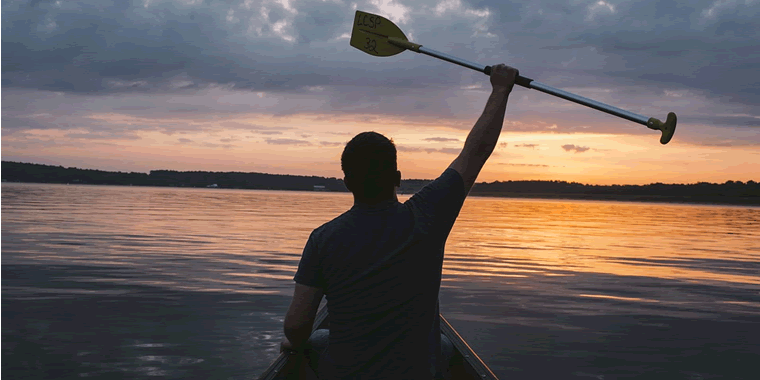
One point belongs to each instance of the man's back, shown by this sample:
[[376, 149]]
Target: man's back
[[380, 269], [380, 266]]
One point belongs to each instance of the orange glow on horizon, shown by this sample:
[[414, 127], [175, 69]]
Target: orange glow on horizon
[[311, 144]]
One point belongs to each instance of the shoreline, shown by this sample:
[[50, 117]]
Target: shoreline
[[702, 200], [671, 199]]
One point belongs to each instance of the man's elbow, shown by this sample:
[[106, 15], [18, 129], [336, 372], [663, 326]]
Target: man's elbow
[[291, 332], [293, 325], [293, 322], [297, 328]]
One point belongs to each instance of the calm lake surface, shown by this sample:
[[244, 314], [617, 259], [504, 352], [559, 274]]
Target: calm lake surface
[[138, 282]]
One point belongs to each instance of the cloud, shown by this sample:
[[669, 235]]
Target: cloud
[[138, 47], [215, 145], [525, 165], [268, 132], [531, 146], [455, 151], [330, 143], [147, 58], [575, 148], [599, 8], [287, 142], [404, 148], [100, 135], [441, 139], [739, 120]]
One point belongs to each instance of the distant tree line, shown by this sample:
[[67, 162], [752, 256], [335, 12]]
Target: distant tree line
[[23, 172], [728, 192], [240, 180], [728, 189]]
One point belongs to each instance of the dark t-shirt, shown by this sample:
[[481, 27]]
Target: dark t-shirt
[[380, 269]]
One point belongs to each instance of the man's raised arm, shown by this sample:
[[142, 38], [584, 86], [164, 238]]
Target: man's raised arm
[[483, 137]]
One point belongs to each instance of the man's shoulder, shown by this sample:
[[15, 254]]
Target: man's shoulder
[[437, 205], [449, 184], [335, 225]]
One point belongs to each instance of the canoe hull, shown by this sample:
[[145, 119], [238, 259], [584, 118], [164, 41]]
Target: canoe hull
[[465, 364]]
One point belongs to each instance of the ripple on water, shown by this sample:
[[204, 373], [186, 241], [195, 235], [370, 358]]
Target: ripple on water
[[541, 279]]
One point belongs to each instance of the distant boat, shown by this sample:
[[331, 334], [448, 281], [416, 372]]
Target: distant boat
[[213, 186], [319, 188]]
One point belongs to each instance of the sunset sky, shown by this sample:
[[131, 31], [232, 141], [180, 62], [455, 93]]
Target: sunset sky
[[273, 86]]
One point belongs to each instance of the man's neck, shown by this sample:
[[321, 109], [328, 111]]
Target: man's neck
[[375, 201]]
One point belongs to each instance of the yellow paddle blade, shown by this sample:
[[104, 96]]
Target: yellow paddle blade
[[371, 33]]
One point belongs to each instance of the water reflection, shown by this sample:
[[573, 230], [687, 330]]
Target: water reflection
[[691, 243], [132, 282]]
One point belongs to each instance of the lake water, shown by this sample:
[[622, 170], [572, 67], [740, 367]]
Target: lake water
[[138, 282]]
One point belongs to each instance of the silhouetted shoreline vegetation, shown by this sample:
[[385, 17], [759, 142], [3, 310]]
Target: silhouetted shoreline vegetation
[[730, 192]]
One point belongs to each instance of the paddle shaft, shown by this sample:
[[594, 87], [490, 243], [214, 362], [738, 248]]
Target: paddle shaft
[[530, 83]]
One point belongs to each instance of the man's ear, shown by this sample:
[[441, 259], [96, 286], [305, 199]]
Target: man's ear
[[397, 180]]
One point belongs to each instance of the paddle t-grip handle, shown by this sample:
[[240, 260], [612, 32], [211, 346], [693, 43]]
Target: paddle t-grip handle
[[668, 128], [520, 80]]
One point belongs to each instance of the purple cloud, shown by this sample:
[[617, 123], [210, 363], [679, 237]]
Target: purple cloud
[[441, 139], [428, 150], [575, 148], [287, 142]]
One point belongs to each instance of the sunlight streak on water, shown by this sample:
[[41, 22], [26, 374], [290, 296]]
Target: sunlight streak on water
[[683, 242]]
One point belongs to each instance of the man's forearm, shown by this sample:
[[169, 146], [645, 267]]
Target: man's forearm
[[485, 134], [298, 336]]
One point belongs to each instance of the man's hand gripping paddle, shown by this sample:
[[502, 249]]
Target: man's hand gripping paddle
[[378, 36]]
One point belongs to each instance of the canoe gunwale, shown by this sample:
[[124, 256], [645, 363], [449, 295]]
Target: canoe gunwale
[[283, 360], [467, 353]]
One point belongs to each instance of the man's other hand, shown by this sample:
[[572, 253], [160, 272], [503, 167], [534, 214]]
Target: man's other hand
[[503, 77]]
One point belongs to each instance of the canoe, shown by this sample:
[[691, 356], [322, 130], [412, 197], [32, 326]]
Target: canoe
[[465, 364]]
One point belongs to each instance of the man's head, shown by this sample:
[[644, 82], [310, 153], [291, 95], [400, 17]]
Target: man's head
[[369, 165]]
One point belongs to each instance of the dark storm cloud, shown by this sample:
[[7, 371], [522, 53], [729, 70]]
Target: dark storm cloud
[[741, 120], [638, 52], [703, 44], [143, 46], [136, 46]]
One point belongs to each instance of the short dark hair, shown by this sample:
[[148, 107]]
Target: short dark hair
[[369, 162]]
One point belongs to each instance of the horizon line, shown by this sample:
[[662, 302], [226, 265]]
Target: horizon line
[[408, 179]]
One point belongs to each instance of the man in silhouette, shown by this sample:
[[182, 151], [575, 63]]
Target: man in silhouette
[[379, 264]]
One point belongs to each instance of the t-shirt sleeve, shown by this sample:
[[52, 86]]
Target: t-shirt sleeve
[[437, 205], [309, 271]]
